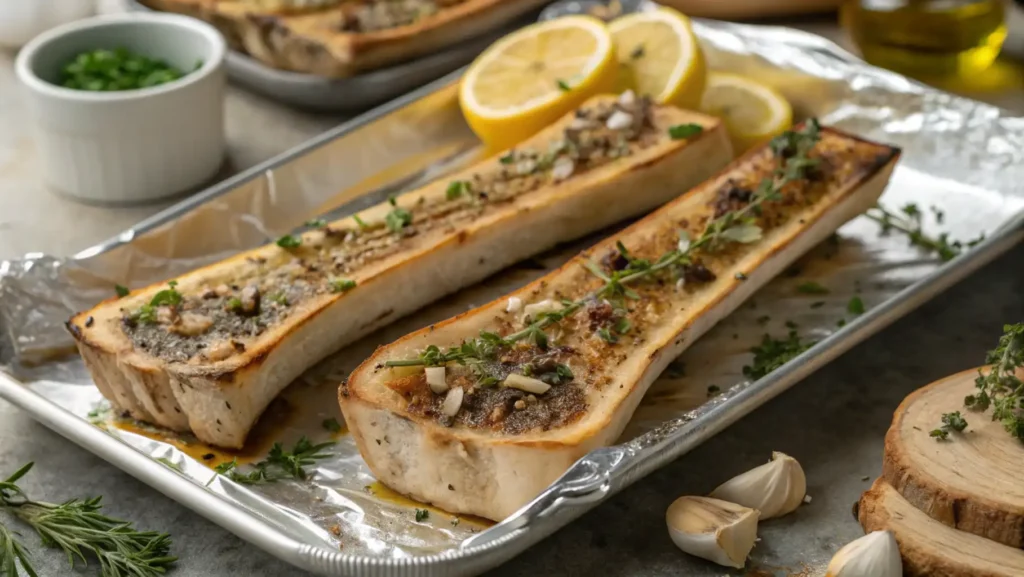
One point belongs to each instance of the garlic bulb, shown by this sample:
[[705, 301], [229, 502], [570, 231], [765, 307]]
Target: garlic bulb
[[775, 488], [453, 401], [715, 530], [874, 555]]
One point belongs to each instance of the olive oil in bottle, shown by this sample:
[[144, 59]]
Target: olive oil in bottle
[[927, 37]]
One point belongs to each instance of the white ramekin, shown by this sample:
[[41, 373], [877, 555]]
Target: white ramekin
[[132, 145]]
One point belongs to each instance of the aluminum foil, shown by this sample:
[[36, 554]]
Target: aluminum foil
[[961, 157]]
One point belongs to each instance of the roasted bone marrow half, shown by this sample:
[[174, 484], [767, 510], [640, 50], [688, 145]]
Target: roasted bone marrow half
[[339, 38], [207, 351], [483, 411]]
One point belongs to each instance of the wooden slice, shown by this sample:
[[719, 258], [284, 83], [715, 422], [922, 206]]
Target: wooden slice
[[929, 548], [974, 481]]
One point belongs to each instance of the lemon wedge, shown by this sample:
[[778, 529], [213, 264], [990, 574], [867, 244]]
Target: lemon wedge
[[535, 75], [659, 56], [752, 112]]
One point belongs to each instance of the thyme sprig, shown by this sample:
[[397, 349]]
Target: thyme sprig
[[1001, 388], [78, 527], [279, 464], [908, 220], [791, 148]]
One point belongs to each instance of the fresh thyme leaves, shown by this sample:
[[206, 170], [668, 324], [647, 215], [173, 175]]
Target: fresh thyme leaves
[[773, 353], [422, 515], [811, 288], [456, 188], [855, 306], [359, 222], [908, 221], [122, 291], [563, 85], [681, 131], [508, 158], [398, 218], [331, 425], [950, 422], [279, 464], [169, 296], [341, 285], [234, 304], [792, 149], [1001, 388], [79, 528], [289, 241]]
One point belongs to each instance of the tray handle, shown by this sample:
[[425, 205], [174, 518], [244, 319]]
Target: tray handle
[[589, 480]]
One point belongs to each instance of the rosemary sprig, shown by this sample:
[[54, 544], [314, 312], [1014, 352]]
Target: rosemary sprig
[[908, 221], [279, 464], [792, 148], [1001, 388], [78, 528]]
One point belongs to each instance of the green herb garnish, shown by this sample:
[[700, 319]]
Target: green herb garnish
[[122, 291], [792, 150], [79, 529], [341, 285], [950, 422], [1001, 388], [908, 222], [332, 425], [681, 131], [118, 69], [398, 218], [456, 188], [811, 288], [773, 353], [421, 515], [279, 464], [855, 306], [359, 222], [289, 241], [508, 158], [563, 85]]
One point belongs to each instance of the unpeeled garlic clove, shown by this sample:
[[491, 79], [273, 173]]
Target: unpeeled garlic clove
[[876, 554], [711, 529], [775, 488]]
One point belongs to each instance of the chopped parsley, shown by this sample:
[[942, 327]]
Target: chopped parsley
[[681, 131], [398, 218], [456, 188], [289, 241], [811, 288], [773, 353], [121, 290], [341, 285], [950, 422], [855, 306]]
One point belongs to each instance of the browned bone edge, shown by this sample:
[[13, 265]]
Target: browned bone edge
[[974, 481], [312, 42], [493, 475], [220, 401], [929, 548]]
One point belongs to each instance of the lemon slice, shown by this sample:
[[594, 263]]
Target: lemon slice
[[533, 76], [752, 112], [659, 56]]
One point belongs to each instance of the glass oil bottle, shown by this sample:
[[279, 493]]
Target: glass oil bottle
[[927, 38]]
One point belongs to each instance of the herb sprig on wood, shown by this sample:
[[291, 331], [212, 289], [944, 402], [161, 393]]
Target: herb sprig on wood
[[792, 149], [80, 530], [1001, 388]]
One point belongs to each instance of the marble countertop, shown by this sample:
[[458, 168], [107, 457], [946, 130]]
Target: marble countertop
[[833, 422]]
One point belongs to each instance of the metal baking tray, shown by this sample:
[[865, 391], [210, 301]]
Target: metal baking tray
[[961, 156], [360, 92]]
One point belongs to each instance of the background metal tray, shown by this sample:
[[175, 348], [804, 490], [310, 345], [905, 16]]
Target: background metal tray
[[960, 155], [360, 92]]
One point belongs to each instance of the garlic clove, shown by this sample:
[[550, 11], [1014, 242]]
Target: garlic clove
[[619, 120], [436, 379], [876, 554], [775, 488], [524, 383], [711, 529], [453, 401], [515, 304]]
